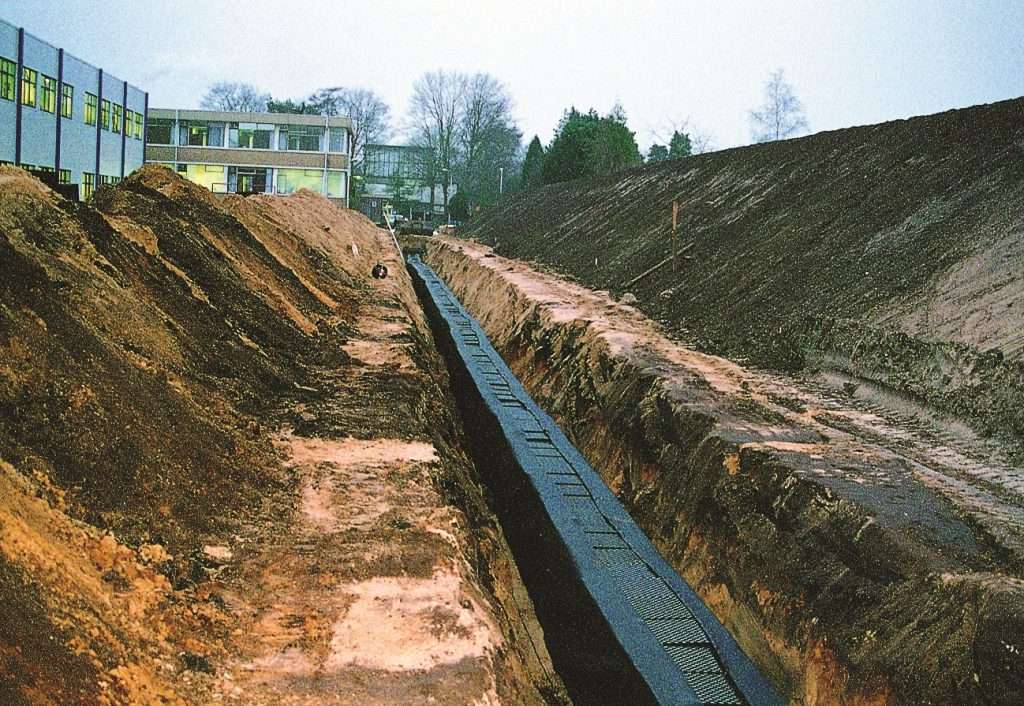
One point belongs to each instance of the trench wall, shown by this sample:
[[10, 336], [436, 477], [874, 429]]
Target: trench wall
[[838, 602]]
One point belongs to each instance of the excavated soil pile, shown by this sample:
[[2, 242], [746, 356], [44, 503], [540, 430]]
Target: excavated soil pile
[[858, 558], [229, 469], [892, 253]]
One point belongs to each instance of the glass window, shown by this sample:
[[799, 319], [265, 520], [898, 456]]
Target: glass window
[[160, 131], [336, 185], [48, 94], [339, 140], [88, 185], [8, 77], [65, 176], [202, 134], [105, 114], [303, 138], [115, 118], [90, 109], [137, 120], [28, 86], [67, 100], [255, 136]]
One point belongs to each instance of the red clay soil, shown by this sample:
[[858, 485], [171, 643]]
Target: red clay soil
[[229, 467]]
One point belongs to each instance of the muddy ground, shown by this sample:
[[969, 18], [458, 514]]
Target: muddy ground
[[891, 253], [860, 556], [230, 470]]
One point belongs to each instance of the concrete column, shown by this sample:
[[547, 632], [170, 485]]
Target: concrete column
[[60, 107], [99, 126], [17, 96]]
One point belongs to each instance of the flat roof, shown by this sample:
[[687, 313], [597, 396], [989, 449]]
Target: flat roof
[[230, 116]]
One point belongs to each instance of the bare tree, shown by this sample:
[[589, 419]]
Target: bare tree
[[488, 140], [701, 140], [231, 95], [433, 122], [485, 106], [371, 116], [781, 115]]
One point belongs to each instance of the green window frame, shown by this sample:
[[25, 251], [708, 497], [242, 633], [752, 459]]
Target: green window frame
[[105, 114], [67, 100], [91, 102], [28, 86], [137, 119], [48, 93], [64, 177], [8, 78], [115, 118]]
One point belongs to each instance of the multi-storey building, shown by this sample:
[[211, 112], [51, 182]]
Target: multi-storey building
[[272, 153], [400, 176], [62, 115]]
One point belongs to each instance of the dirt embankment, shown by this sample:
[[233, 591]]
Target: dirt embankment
[[893, 253], [229, 469], [858, 559]]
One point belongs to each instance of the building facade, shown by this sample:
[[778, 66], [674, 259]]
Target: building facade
[[399, 176], [244, 153], [62, 115]]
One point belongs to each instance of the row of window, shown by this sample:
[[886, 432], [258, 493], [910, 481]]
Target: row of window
[[41, 90], [259, 136], [88, 187], [64, 177]]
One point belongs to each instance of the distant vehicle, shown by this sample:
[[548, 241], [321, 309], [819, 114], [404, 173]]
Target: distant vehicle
[[416, 228]]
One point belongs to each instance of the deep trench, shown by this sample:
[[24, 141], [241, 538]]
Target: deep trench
[[621, 625]]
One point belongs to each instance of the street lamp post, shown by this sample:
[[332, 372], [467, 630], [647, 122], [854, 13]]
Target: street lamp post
[[448, 194], [501, 180]]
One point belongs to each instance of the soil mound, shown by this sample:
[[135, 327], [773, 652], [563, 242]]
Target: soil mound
[[890, 252], [154, 347]]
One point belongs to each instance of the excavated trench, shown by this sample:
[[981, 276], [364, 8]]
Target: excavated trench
[[620, 623], [849, 573]]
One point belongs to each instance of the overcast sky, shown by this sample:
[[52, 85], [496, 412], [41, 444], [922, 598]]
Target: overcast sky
[[851, 63]]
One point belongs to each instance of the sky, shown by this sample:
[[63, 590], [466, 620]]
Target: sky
[[666, 62]]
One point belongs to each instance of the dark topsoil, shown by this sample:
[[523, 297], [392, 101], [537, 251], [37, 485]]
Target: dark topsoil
[[892, 252]]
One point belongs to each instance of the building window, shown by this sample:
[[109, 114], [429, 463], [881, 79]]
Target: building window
[[48, 94], [64, 177], [105, 114], [303, 138], [88, 185], [137, 121], [115, 118], [199, 133], [90, 109], [160, 132], [339, 140], [254, 136], [28, 86], [67, 100], [8, 78]]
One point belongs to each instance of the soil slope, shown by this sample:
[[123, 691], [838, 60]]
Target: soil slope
[[228, 466], [857, 558], [892, 252]]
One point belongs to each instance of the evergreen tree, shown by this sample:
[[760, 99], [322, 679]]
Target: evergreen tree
[[567, 156], [680, 145], [533, 165], [657, 153], [613, 146]]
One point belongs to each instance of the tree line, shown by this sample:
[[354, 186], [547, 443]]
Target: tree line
[[469, 136]]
